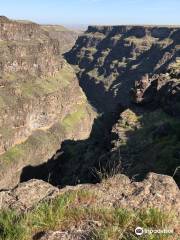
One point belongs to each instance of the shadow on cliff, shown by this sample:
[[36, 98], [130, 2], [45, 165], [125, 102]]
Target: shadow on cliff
[[76, 161], [87, 160], [148, 62], [148, 149]]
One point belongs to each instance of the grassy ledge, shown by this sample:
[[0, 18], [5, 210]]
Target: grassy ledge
[[71, 209], [71, 120]]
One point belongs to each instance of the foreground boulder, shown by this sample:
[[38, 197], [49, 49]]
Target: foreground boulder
[[155, 191], [81, 212], [27, 195], [66, 235]]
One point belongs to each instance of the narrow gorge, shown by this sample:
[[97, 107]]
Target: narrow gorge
[[130, 75]]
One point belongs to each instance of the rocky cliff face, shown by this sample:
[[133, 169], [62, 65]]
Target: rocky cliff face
[[25, 48], [66, 37], [131, 73], [161, 90], [41, 103], [111, 59]]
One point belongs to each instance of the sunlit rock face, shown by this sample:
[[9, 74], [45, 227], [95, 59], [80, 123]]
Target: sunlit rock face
[[65, 37]]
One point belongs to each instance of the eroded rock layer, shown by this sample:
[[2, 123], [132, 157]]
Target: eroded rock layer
[[131, 74], [111, 59], [41, 103], [66, 37], [158, 191]]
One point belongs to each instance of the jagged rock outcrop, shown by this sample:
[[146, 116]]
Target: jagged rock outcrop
[[111, 59], [41, 103], [161, 90], [118, 192], [66, 37], [27, 195], [66, 235], [26, 48], [156, 190]]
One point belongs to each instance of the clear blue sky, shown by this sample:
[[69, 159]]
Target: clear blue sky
[[94, 11]]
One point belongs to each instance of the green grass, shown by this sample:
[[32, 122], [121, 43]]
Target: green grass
[[14, 153], [70, 121], [165, 147], [148, 39], [150, 146], [29, 90], [31, 87], [49, 85], [91, 50], [70, 210], [46, 140], [11, 226]]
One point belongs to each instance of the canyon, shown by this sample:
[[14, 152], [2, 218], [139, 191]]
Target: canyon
[[95, 113], [130, 75]]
